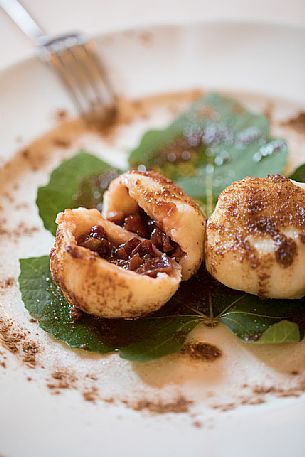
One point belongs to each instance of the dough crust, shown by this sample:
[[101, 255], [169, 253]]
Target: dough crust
[[181, 217], [256, 237], [97, 286]]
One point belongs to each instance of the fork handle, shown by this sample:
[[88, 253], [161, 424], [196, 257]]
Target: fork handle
[[22, 18]]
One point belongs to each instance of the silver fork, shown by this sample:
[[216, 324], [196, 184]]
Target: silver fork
[[74, 59]]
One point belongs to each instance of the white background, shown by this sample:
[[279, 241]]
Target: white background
[[93, 16]]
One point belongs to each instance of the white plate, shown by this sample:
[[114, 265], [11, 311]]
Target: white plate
[[249, 58]]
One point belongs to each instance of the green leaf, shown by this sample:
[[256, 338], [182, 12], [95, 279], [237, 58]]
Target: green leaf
[[164, 335], [215, 142], [62, 191], [142, 339], [199, 300], [281, 332], [299, 174], [249, 317], [44, 302]]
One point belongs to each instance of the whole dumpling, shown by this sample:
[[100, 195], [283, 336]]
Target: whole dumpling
[[256, 237]]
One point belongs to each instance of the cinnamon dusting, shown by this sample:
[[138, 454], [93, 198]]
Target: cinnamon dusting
[[62, 379], [14, 233], [61, 115], [17, 341], [91, 394], [7, 283], [179, 405], [62, 142], [296, 123]]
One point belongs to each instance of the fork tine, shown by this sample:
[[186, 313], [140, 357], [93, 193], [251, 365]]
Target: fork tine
[[65, 53], [83, 76], [60, 68], [82, 66], [80, 84], [99, 70], [103, 105]]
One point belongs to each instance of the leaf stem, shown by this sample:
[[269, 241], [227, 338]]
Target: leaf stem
[[197, 312], [222, 313], [211, 314]]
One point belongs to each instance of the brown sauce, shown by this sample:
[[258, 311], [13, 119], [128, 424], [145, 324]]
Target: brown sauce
[[142, 257], [200, 350]]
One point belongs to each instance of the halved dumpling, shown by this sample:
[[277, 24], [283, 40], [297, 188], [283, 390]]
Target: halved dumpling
[[150, 205], [107, 271]]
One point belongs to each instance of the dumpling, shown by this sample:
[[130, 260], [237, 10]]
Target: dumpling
[[150, 205], [107, 271], [256, 237]]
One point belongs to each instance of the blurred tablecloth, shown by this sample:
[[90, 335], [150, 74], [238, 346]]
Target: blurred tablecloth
[[95, 16]]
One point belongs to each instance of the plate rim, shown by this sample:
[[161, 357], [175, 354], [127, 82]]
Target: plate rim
[[32, 54]]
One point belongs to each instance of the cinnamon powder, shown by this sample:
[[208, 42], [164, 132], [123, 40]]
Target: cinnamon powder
[[179, 405], [17, 341]]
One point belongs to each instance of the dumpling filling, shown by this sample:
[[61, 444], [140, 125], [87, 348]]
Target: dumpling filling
[[140, 256], [141, 224], [151, 206]]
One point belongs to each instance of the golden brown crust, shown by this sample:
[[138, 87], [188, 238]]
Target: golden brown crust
[[262, 205], [167, 192]]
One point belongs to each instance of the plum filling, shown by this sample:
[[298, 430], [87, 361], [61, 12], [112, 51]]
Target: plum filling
[[135, 255], [141, 224]]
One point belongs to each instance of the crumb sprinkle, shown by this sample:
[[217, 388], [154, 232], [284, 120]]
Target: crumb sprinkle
[[18, 341], [178, 405]]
